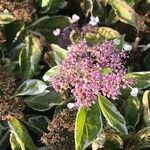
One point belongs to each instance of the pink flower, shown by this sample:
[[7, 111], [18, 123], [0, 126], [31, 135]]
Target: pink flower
[[83, 72]]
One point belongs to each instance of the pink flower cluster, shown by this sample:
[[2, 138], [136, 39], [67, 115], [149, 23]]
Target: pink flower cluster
[[84, 72]]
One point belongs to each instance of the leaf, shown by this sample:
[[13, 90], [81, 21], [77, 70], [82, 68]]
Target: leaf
[[112, 18], [45, 3], [51, 73], [39, 123], [92, 38], [3, 125], [1, 133], [51, 6], [75, 36], [52, 22], [21, 135], [12, 31], [4, 137], [113, 141], [146, 108], [108, 32], [147, 61], [87, 126], [142, 79], [132, 106], [106, 70], [112, 115], [13, 142], [43, 101], [43, 148], [142, 84], [139, 75], [87, 7], [30, 87], [30, 56], [131, 2], [100, 34], [142, 139], [57, 5], [59, 53], [120, 39], [6, 18], [49, 59], [124, 12]]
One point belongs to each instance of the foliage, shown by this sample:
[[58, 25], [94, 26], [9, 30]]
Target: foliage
[[34, 37]]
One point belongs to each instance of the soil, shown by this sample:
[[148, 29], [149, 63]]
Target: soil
[[9, 106], [21, 9], [61, 131]]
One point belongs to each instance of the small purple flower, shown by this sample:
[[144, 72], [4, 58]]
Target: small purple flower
[[83, 72]]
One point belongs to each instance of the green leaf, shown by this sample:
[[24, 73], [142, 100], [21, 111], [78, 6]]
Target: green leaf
[[87, 7], [146, 108], [30, 87], [88, 126], [98, 35], [111, 19], [113, 141], [43, 101], [142, 79], [45, 3], [49, 59], [75, 36], [3, 125], [131, 2], [43, 148], [21, 135], [30, 56], [112, 115], [132, 106], [6, 18], [142, 84], [147, 61], [141, 139], [59, 53], [13, 31], [124, 12], [106, 70], [92, 38], [51, 73], [39, 123], [108, 33], [13, 142], [121, 39], [52, 22], [148, 1], [4, 137], [57, 5], [139, 75]]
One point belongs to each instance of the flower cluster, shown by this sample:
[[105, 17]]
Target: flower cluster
[[90, 71]]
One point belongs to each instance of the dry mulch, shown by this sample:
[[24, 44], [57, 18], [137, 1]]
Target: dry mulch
[[61, 131], [8, 105]]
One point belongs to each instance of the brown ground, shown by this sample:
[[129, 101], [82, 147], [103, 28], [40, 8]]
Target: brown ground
[[61, 131], [8, 106], [21, 9]]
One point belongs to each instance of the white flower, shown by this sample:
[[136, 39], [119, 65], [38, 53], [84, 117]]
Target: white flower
[[70, 105], [75, 18], [93, 21], [56, 32], [127, 47], [116, 41], [134, 92]]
